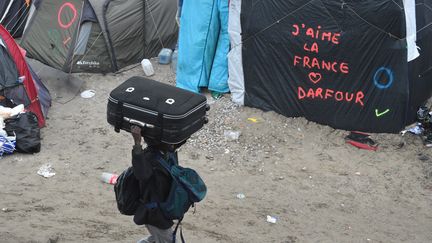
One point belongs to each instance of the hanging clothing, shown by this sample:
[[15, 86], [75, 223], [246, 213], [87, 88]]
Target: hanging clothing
[[203, 46]]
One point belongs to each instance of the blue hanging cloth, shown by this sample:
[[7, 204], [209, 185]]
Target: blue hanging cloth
[[203, 46]]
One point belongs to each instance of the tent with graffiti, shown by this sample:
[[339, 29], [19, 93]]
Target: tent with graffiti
[[13, 15], [353, 65], [18, 82], [98, 36]]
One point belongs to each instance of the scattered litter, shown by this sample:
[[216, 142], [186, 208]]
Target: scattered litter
[[212, 169], [109, 178], [231, 135], [5, 210], [147, 67], [361, 140], [240, 196], [298, 129], [227, 151], [46, 171], [357, 173], [88, 94], [417, 130], [304, 169], [310, 177], [216, 95], [271, 219], [252, 119], [423, 157]]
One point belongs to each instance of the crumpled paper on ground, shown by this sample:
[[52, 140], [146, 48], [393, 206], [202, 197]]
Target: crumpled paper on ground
[[46, 171]]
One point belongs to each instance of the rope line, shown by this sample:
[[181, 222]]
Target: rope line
[[154, 23], [91, 46], [400, 7], [22, 22], [17, 12]]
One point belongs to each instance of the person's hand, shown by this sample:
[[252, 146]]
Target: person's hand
[[136, 134]]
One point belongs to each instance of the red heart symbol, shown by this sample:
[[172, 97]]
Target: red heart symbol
[[315, 77]]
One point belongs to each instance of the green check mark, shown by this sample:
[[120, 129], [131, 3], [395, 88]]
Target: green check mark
[[378, 114]]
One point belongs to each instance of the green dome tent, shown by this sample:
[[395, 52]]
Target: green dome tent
[[98, 36]]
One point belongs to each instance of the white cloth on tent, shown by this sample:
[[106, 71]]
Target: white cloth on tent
[[411, 29], [2, 43], [235, 61]]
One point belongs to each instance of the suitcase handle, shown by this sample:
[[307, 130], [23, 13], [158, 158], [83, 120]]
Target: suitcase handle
[[138, 123]]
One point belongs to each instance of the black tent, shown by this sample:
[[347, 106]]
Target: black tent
[[341, 63]]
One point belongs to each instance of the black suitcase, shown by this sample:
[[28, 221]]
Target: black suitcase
[[166, 113]]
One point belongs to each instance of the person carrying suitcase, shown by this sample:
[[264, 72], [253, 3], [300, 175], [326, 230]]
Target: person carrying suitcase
[[155, 184]]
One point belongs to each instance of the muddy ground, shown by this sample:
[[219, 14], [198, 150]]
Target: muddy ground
[[317, 187]]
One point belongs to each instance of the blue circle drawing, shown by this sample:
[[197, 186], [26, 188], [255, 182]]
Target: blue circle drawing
[[389, 74]]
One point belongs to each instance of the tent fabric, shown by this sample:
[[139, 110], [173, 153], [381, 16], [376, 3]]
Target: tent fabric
[[8, 71], [420, 69], [235, 67], [122, 33], [88, 13], [203, 46], [13, 15], [343, 64], [411, 29], [161, 26], [23, 71], [44, 95]]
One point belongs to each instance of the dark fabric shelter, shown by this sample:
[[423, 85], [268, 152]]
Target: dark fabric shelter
[[340, 63]]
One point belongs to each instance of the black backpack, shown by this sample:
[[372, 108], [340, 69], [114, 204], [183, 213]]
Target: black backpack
[[27, 131], [127, 192]]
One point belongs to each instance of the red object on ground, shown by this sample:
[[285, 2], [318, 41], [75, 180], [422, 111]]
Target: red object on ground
[[361, 140]]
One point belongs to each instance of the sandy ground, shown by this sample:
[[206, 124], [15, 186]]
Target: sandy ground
[[317, 187]]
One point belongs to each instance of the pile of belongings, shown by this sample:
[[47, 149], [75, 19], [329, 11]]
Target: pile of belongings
[[19, 130], [423, 127]]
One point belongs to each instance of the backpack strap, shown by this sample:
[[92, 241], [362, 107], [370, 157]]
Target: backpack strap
[[167, 167], [181, 232], [164, 164]]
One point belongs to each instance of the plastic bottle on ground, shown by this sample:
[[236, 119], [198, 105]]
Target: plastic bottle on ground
[[174, 60], [109, 178], [165, 56], [147, 67]]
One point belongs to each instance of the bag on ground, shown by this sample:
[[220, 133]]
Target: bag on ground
[[27, 132]]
